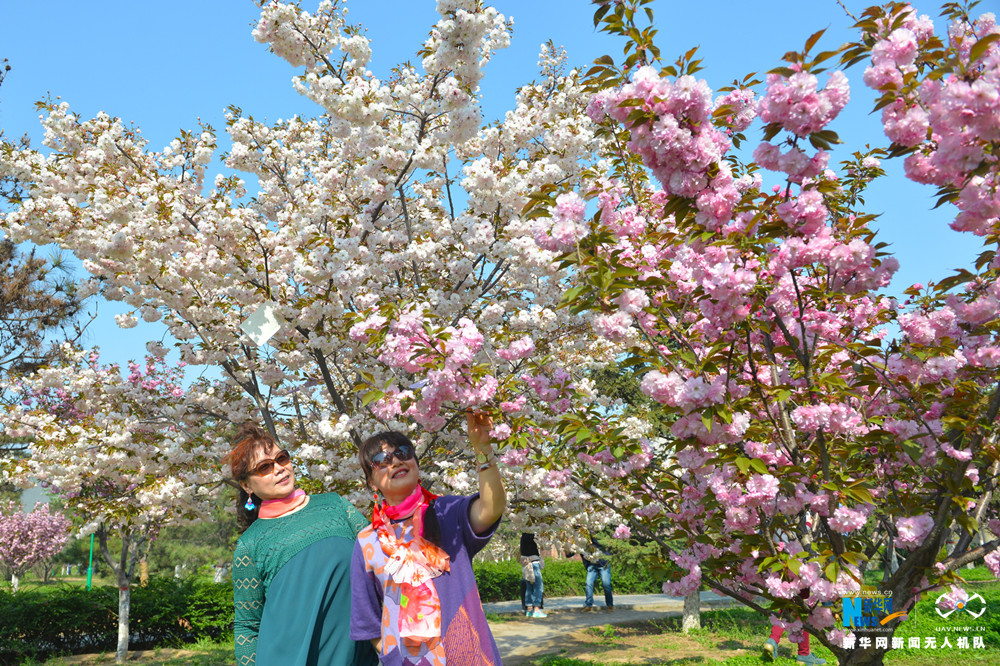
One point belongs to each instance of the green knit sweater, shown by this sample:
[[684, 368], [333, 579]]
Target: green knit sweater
[[299, 614]]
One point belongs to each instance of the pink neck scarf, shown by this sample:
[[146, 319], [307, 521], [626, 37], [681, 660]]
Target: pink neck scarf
[[415, 504], [278, 507]]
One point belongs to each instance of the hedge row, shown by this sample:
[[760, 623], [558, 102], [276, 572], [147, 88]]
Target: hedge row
[[501, 581], [39, 623], [36, 624]]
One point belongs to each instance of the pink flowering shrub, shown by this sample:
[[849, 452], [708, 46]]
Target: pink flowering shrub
[[27, 539]]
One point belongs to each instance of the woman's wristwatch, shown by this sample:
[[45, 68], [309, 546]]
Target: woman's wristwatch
[[484, 460]]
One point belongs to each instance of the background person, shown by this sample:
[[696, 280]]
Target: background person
[[414, 591], [803, 656], [787, 542], [534, 586], [597, 566], [291, 567]]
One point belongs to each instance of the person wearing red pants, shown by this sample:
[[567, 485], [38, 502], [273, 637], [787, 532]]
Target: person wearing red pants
[[771, 648]]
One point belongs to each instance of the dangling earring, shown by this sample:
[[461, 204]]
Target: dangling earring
[[249, 506], [375, 497]]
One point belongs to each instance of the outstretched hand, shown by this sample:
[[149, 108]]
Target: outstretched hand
[[486, 509], [480, 424]]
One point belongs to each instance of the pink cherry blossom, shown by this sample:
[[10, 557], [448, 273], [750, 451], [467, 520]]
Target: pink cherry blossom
[[912, 530]]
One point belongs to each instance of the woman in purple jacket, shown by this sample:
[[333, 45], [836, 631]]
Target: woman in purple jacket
[[413, 591]]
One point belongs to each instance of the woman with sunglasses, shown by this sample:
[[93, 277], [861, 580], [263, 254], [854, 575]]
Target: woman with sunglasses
[[414, 592], [291, 568]]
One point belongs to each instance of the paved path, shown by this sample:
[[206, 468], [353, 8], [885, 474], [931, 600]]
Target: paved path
[[519, 641]]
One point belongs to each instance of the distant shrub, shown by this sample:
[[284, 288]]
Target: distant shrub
[[39, 623], [630, 574]]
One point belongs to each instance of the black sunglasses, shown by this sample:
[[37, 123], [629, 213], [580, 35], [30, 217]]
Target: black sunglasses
[[265, 467], [402, 453]]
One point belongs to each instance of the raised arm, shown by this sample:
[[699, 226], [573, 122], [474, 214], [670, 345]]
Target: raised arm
[[492, 500]]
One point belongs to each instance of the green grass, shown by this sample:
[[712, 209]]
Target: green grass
[[33, 583], [742, 628], [722, 632], [202, 653], [924, 622], [680, 661]]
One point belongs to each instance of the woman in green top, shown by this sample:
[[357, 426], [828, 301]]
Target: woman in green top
[[292, 565]]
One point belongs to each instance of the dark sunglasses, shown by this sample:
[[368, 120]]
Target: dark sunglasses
[[383, 459], [265, 467]]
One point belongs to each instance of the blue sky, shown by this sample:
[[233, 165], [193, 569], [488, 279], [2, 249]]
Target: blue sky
[[165, 65]]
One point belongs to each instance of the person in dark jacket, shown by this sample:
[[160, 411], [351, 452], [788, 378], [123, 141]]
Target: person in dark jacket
[[534, 587]]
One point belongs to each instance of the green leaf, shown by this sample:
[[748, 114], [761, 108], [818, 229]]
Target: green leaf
[[832, 569], [633, 361], [985, 258], [825, 55], [371, 397], [574, 293], [818, 143], [914, 450], [968, 523], [599, 14], [758, 466], [961, 277], [863, 495], [811, 42], [948, 197], [979, 48], [771, 130], [743, 464]]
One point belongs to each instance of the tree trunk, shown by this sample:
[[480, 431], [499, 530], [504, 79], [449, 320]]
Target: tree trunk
[[891, 561], [692, 612], [976, 542], [14, 582], [124, 568], [124, 604]]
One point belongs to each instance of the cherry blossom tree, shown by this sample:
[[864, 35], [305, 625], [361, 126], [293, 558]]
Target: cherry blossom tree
[[803, 400], [127, 454], [817, 421], [385, 236], [38, 299], [27, 539]]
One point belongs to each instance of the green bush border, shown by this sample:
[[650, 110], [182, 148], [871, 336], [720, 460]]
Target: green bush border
[[36, 624], [43, 622], [501, 581]]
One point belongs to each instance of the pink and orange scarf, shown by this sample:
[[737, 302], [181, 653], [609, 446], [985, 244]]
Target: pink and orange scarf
[[413, 564]]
